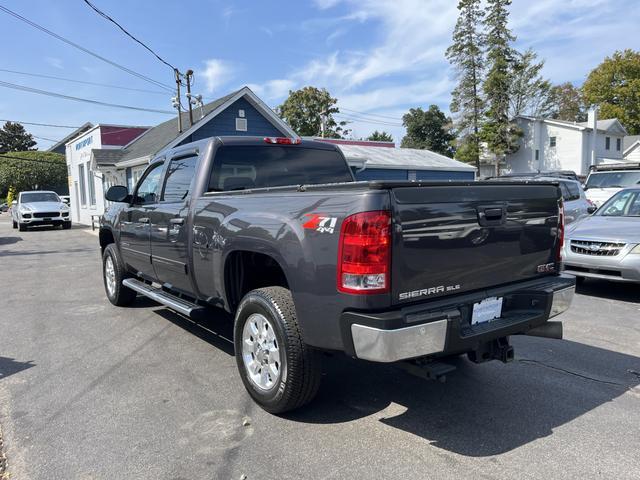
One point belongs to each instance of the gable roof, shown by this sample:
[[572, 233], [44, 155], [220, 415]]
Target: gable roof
[[607, 125], [166, 134], [630, 141], [409, 158], [78, 131]]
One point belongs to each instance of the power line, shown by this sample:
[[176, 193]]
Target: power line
[[371, 114], [78, 99], [38, 124], [80, 47], [44, 138], [104, 15], [84, 82], [364, 120]]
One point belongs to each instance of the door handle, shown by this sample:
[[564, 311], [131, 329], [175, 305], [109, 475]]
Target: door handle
[[177, 221], [143, 220]]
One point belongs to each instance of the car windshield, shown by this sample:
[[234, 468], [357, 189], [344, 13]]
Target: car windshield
[[613, 179], [39, 197], [622, 204]]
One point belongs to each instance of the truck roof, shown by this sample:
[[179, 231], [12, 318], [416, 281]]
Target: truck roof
[[233, 140]]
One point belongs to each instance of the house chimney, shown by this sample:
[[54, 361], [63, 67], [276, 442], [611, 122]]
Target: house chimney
[[592, 123]]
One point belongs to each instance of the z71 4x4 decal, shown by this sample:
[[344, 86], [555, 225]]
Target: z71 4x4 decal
[[320, 222]]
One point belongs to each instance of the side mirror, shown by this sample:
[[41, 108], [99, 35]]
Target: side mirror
[[117, 193], [591, 209], [15, 202]]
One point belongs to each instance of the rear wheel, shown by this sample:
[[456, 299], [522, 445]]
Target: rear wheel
[[278, 369], [14, 224], [114, 273]]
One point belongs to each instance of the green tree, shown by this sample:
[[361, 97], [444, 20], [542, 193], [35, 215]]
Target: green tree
[[567, 103], [380, 137], [32, 170], [530, 93], [14, 138], [614, 86], [430, 130], [466, 54], [306, 110], [500, 135]]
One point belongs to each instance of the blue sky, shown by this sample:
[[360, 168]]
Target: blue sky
[[378, 57]]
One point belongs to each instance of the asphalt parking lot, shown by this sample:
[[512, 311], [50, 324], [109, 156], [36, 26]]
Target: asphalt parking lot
[[91, 391]]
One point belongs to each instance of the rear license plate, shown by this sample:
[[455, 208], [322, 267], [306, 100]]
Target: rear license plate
[[486, 310]]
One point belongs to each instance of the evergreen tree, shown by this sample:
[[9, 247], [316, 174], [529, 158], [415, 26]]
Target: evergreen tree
[[530, 94], [497, 131], [14, 138], [466, 54], [380, 137]]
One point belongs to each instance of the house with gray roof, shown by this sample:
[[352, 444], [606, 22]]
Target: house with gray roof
[[94, 165], [631, 148], [550, 144]]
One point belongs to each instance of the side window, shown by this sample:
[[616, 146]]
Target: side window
[[147, 189], [565, 191], [574, 190], [178, 179]]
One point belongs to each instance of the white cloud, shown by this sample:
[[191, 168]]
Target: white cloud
[[325, 4], [273, 90], [216, 73]]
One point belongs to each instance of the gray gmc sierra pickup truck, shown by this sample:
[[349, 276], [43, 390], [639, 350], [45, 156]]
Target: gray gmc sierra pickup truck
[[277, 231]]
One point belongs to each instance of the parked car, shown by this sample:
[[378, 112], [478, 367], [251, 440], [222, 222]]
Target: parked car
[[277, 232], [39, 207], [568, 174], [4, 207], [606, 180], [607, 244], [576, 204]]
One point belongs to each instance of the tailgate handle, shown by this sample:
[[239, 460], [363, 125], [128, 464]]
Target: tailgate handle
[[492, 216]]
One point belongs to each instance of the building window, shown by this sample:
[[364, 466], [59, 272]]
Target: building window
[[618, 144], [552, 141], [241, 124], [537, 155], [607, 143], [92, 186], [83, 187], [241, 113]]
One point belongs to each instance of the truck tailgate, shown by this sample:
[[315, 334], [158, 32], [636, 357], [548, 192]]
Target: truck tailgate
[[451, 238]]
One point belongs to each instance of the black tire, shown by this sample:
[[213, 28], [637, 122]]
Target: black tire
[[14, 224], [580, 280], [22, 227], [301, 368], [121, 296], [66, 225]]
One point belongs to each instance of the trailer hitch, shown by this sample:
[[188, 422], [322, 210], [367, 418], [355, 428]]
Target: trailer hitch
[[427, 369], [498, 349]]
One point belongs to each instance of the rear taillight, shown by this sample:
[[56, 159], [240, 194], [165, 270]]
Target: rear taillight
[[283, 140], [364, 253], [560, 231]]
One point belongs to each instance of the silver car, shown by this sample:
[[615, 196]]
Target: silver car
[[606, 245], [39, 208]]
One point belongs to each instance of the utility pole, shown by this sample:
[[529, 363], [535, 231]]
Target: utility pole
[[177, 102], [189, 77]]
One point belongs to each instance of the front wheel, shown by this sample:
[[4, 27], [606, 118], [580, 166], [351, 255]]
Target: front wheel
[[280, 371], [22, 227], [113, 273], [66, 225]]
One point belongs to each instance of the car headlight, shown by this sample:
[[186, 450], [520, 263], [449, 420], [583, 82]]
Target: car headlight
[[636, 249]]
